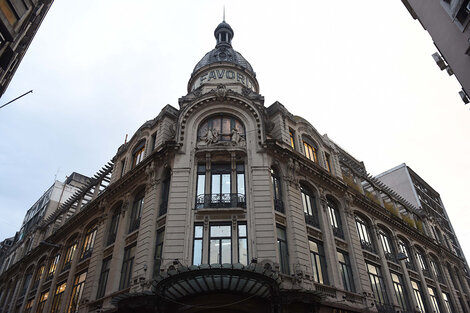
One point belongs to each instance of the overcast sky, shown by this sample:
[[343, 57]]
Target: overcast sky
[[362, 72]]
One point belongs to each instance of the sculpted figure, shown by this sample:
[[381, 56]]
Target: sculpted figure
[[236, 138], [212, 136]]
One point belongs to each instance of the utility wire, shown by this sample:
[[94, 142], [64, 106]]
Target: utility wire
[[31, 91]]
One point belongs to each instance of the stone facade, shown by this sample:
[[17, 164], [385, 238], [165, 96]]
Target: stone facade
[[227, 205]]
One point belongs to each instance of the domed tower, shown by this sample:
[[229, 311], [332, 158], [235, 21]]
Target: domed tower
[[223, 65]]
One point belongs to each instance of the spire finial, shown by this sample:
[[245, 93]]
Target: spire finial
[[224, 14]]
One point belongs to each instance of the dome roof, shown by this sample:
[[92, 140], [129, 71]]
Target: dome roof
[[223, 51]]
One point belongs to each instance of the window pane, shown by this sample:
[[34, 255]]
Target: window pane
[[241, 183], [216, 178], [226, 251], [214, 252], [201, 183], [226, 183], [197, 258], [242, 230], [220, 231]]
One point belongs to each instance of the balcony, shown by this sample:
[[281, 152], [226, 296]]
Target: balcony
[[220, 200], [311, 220], [366, 245]]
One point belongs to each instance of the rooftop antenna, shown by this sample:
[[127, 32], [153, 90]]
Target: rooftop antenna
[[224, 13]]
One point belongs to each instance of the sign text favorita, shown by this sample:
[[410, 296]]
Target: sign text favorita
[[223, 75]]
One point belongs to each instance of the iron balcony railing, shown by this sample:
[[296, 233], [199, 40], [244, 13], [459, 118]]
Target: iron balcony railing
[[221, 200], [366, 245], [311, 220]]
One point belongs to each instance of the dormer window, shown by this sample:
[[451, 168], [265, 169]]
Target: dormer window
[[310, 150]]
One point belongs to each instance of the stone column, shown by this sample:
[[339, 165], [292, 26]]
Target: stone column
[[422, 279]]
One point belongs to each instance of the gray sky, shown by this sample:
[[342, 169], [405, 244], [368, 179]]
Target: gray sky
[[362, 72]]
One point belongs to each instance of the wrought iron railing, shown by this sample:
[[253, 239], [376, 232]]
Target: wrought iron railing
[[278, 205], [366, 245], [338, 232], [311, 220], [221, 200]]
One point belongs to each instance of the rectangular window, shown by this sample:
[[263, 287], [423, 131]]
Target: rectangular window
[[221, 184], [59, 291], [158, 251], [103, 278], [400, 291], [123, 167], [292, 138], [327, 162], [418, 295], [197, 246], [113, 228], [154, 141], [317, 257], [241, 180], [53, 266], [138, 155], [136, 212], [8, 11], [42, 301], [126, 271], [346, 271], [77, 291], [282, 249], [377, 284], [220, 244], [434, 300], [242, 244], [447, 302], [310, 152], [29, 305], [201, 187], [26, 282]]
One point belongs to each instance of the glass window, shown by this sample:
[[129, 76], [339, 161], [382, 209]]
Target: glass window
[[387, 245], [29, 306], [103, 278], [418, 295], [220, 244], [403, 249], [292, 138], [138, 154], [309, 205], [77, 291], [154, 141], [317, 257], [136, 212], [201, 186], [221, 128], [436, 270], [53, 266], [123, 167], [126, 270], [282, 249], [434, 300], [42, 301], [335, 219], [276, 183], [158, 251], [346, 271], [241, 179], [26, 281], [88, 243], [447, 302], [59, 291], [364, 234], [310, 151], [39, 273], [221, 184], [400, 291], [422, 262], [377, 284], [69, 255], [197, 246], [327, 162], [113, 227], [165, 194], [242, 244]]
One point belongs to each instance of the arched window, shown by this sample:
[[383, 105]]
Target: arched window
[[334, 217], [221, 128], [386, 241], [69, 254], [136, 212], [404, 253], [310, 206], [435, 268], [364, 234], [276, 183], [38, 276], [310, 149]]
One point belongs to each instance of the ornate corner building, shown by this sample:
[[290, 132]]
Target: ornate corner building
[[19, 22], [225, 205]]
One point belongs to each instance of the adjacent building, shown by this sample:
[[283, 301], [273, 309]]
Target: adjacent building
[[19, 22], [447, 23], [227, 205]]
